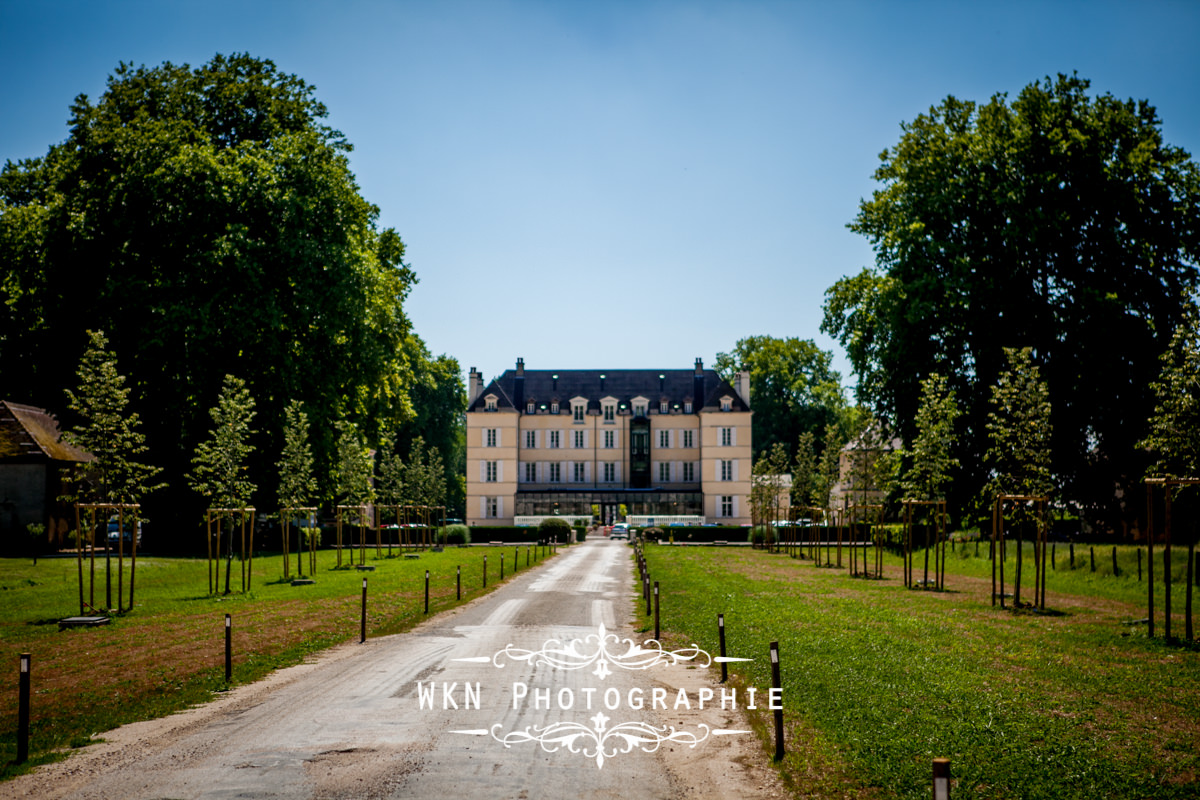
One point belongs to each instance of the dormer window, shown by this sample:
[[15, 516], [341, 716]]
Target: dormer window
[[489, 402], [663, 407], [639, 406], [578, 409], [687, 406], [727, 403], [554, 407], [530, 407]]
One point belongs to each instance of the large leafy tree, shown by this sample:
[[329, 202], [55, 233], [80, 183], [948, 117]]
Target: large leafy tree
[[793, 388], [207, 219], [1060, 221]]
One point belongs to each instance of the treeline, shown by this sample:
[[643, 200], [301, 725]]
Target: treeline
[[206, 220], [1058, 225]]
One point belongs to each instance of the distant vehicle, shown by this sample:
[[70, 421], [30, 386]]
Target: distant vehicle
[[620, 531], [115, 532]]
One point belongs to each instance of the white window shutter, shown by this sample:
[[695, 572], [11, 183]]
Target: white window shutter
[[671, 437], [585, 439], [499, 506], [483, 508], [499, 436], [735, 469], [733, 436], [482, 471], [499, 471]]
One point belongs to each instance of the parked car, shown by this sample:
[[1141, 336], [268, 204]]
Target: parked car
[[620, 531], [115, 532]]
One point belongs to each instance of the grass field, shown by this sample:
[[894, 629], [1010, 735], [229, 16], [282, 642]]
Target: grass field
[[169, 653], [879, 680]]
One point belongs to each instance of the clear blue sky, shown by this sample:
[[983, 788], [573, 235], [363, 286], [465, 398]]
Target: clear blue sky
[[615, 184]]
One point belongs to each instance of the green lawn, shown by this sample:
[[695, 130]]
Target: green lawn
[[168, 653], [879, 680]]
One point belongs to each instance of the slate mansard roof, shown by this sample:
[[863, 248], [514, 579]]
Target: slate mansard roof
[[703, 388]]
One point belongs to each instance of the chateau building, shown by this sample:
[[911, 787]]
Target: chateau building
[[637, 445]]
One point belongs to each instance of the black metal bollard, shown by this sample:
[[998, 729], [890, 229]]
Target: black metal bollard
[[426, 591], [721, 638], [502, 566], [485, 572], [1115, 572], [777, 709], [1092, 550], [656, 611], [228, 649], [941, 779], [458, 582], [362, 623], [23, 711]]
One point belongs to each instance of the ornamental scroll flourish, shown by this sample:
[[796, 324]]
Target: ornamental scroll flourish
[[599, 742], [595, 649]]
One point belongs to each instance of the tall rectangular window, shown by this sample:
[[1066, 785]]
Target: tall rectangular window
[[530, 472], [664, 472], [664, 439], [531, 439], [580, 472], [577, 412], [610, 472], [610, 412], [726, 470], [493, 508], [553, 439], [578, 440], [491, 437], [689, 472], [726, 505], [726, 437], [555, 472], [610, 439], [688, 441], [491, 472]]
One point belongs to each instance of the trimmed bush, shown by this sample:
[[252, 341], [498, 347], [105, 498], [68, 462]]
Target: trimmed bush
[[502, 533], [455, 534], [707, 533], [761, 535], [553, 526]]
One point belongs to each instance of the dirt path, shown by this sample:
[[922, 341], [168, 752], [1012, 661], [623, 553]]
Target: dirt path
[[352, 723]]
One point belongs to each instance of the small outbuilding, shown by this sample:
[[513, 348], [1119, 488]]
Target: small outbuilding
[[33, 462]]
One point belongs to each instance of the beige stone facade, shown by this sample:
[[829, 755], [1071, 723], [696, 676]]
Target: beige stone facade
[[610, 443]]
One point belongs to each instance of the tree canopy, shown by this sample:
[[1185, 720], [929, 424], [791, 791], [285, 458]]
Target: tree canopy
[[207, 219], [107, 430], [793, 388], [1060, 222], [219, 466], [1174, 436], [931, 458], [1019, 429]]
